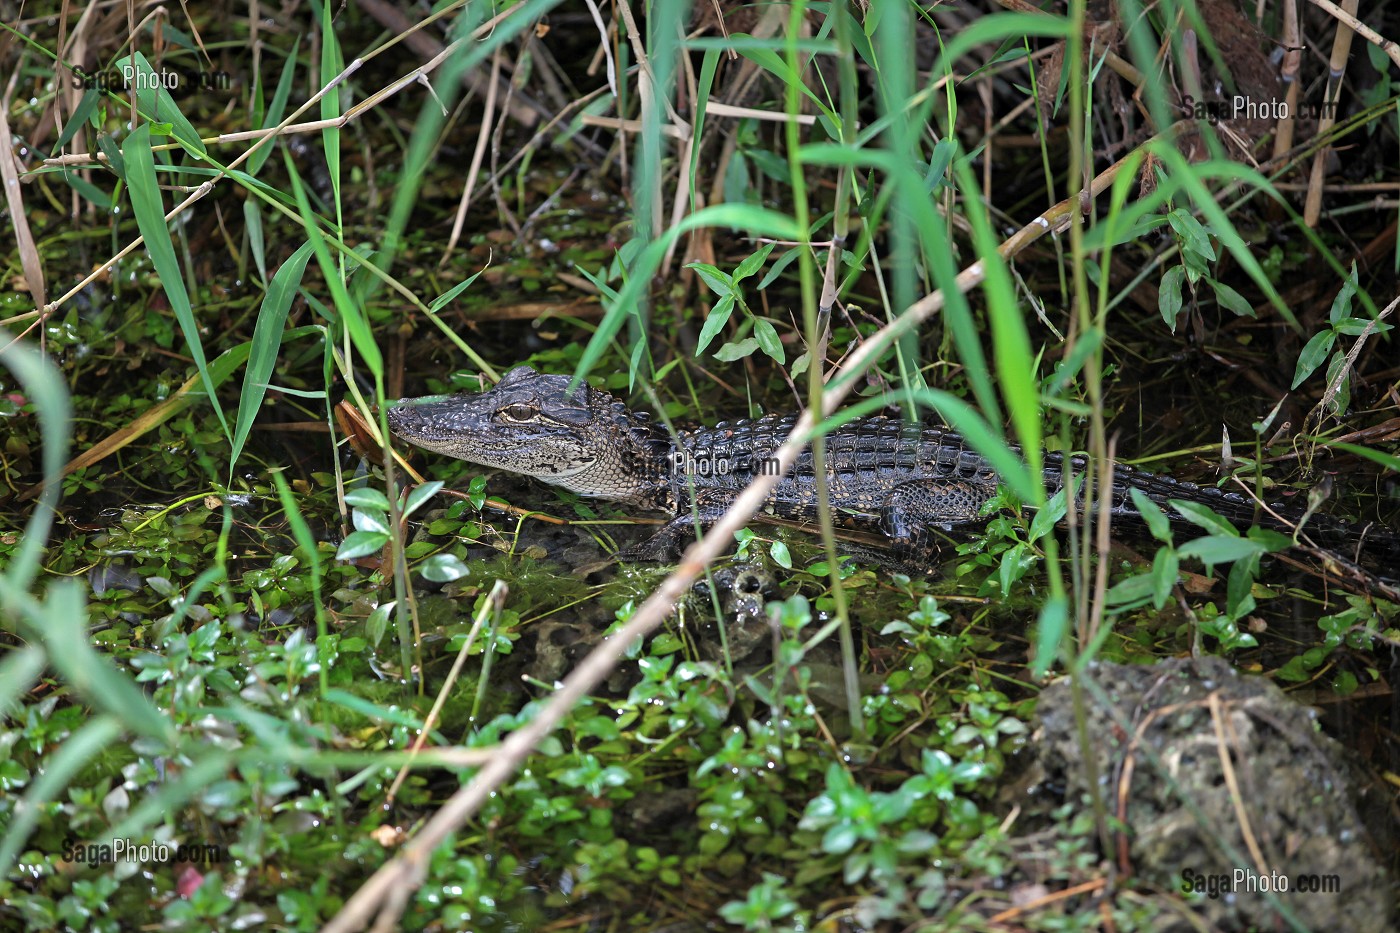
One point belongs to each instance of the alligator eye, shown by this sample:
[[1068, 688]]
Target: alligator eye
[[518, 413]]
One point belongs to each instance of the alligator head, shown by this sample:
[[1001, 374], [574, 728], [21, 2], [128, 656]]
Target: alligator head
[[531, 424]]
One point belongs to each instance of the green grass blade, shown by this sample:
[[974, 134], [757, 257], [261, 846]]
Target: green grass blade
[[19, 671], [62, 623], [278, 106], [1011, 344], [1389, 461], [44, 386], [148, 206], [265, 345], [352, 316], [332, 64]]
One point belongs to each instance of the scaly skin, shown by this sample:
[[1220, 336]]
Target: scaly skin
[[901, 480]]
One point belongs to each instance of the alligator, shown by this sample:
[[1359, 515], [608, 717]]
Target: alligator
[[904, 481]]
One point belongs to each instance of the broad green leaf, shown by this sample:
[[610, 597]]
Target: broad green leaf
[[1231, 300], [752, 264], [1134, 591], [1052, 627], [1203, 517], [419, 495], [1239, 600], [1193, 236], [361, 544], [719, 316], [719, 282], [1314, 352], [365, 497], [767, 337], [444, 568], [1220, 549], [1169, 295], [371, 520], [1155, 518], [1341, 305], [377, 623], [1165, 570], [736, 350]]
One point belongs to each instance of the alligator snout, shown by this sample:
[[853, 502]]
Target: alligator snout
[[404, 417]]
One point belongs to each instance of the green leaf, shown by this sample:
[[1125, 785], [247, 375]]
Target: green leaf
[[1192, 235], [1169, 295], [442, 300], [44, 385], [756, 221], [736, 350], [364, 497], [1203, 517], [1389, 461], [370, 520], [444, 568], [719, 316], [419, 495], [378, 622], [752, 264], [1165, 569], [277, 107], [154, 101], [719, 282], [1155, 518], [1341, 305], [148, 206], [768, 340], [839, 839], [1239, 600], [1314, 352], [361, 544], [779, 552], [1218, 549], [777, 268], [1132, 592], [1054, 510], [265, 345], [1052, 627], [1231, 300]]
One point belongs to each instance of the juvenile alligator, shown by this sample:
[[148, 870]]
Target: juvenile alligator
[[887, 476]]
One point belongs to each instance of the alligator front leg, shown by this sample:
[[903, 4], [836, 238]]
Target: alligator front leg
[[677, 534]]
